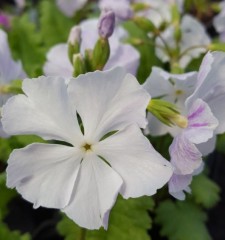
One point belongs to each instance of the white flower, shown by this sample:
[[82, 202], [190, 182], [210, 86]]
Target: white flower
[[123, 55], [9, 70], [83, 178], [160, 11], [218, 22], [174, 88], [69, 7], [193, 36]]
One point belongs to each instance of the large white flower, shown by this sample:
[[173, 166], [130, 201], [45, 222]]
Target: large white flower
[[194, 40], [109, 156], [123, 55], [9, 70]]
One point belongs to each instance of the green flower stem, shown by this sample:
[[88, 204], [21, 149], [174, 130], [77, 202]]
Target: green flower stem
[[83, 234]]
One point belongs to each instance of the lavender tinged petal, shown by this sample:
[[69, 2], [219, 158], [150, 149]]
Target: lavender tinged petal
[[185, 156], [121, 8], [179, 183], [106, 24], [201, 123]]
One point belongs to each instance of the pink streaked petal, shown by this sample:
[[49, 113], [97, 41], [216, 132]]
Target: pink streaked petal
[[201, 123], [185, 156]]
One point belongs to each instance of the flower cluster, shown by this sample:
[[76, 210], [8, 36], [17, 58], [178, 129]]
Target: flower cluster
[[115, 76]]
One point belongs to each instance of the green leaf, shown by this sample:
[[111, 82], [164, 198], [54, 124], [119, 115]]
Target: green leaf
[[26, 46], [7, 234], [6, 196], [8, 144], [182, 221], [205, 191], [55, 26], [220, 144], [129, 219]]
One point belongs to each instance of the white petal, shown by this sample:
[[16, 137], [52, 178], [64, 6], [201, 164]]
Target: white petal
[[201, 123], [95, 193], [157, 84], [177, 184], [68, 7], [207, 147], [126, 56], [110, 101], [58, 63], [211, 86], [9, 69], [185, 156], [44, 110], [44, 174], [142, 168]]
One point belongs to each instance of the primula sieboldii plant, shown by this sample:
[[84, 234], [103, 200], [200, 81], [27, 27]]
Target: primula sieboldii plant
[[107, 153], [109, 110]]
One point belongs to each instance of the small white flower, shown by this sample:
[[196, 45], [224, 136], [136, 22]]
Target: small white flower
[[83, 178], [193, 35], [174, 88]]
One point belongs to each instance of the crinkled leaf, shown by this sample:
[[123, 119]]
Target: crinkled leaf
[[129, 219], [55, 26], [205, 191], [182, 221], [7, 234], [26, 45]]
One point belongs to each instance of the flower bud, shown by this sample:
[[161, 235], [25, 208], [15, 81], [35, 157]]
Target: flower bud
[[75, 35], [106, 24], [101, 54], [78, 64], [74, 41], [180, 121]]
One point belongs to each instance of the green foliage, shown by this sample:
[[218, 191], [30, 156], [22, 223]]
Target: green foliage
[[182, 221], [25, 43], [6, 196], [220, 144], [128, 220], [146, 49], [8, 144], [7, 234], [205, 191], [54, 26]]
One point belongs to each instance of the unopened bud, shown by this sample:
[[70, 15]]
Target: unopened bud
[[74, 41], [106, 24], [78, 64], [75, 35], [179, 120], [101, 54]]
